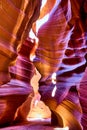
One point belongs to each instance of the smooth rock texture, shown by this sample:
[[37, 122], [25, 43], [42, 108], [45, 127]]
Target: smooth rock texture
[[15, 23], [62, 54], [61, 60]]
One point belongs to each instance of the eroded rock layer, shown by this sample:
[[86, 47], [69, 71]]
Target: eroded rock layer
[[16, 18], [61, 58]]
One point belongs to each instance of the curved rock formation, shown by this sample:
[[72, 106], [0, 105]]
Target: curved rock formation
[[15, 23], [21, 74], [60, 59]]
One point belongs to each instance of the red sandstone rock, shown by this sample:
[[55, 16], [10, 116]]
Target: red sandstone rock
[[15, 23]]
